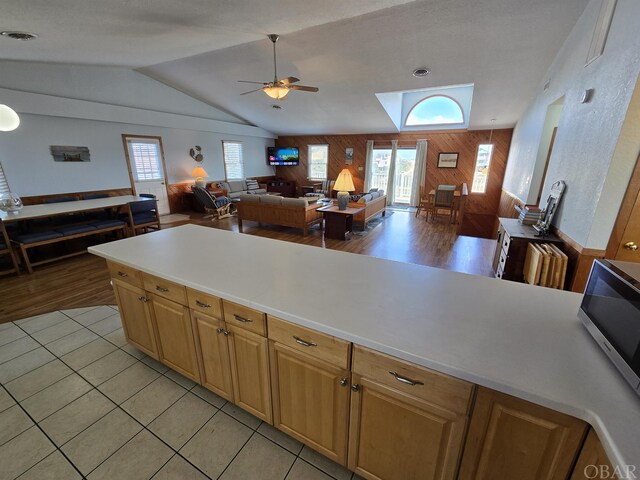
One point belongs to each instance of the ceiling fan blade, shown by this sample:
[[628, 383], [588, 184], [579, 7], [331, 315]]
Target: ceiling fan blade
[[247, 81], [289, 80], [251, 91], [303, 88]]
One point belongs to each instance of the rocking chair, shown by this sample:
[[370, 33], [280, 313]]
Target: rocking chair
[[219, 207]]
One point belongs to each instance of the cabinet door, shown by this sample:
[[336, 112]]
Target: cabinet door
[[512, 438], [176, 345], [311, 401], [136, 316], [593, 461], [249, 357], [395, 436], [213, 354]]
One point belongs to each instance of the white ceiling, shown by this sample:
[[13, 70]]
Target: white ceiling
[[503, 47]]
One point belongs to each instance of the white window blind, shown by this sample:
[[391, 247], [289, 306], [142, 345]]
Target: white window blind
[[318, 161], [145, 160], [233, 166], [4, 185]]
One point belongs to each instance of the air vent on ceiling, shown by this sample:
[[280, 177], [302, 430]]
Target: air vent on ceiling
[[421, 72], [24, 36]]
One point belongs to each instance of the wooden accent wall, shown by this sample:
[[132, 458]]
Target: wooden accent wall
[[481, 210], [36, 199]]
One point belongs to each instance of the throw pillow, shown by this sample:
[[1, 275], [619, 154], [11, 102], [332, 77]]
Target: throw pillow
[[252, 185], [354, 198], [220, 185]]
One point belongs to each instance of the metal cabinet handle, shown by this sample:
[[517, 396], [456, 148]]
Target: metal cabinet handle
[[631, 246], [202, 305], [161, 289], [344, 382], [223, 331], [122, 274], [304, 343], [355, 387], [242, 319], [142, 298], [408, 381]]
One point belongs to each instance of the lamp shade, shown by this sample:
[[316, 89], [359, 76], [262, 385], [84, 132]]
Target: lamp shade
[[9, 119], [199, 172], [344, 182], [276, 92]]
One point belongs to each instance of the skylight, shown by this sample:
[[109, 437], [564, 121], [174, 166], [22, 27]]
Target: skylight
[[435, 110]]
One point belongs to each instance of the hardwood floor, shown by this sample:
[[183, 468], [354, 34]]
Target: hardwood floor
[[84, 281]]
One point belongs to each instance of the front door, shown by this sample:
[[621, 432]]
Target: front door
[[145, 157], [629, 247]]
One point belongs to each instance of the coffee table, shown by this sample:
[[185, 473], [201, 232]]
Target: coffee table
[[338, 224]]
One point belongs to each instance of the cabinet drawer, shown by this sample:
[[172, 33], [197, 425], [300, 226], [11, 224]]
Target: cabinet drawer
[[245, 317], [503, 260], [506, 240], [319, 345], [205, 303], [434, 387], [124, 273], [164, 288]]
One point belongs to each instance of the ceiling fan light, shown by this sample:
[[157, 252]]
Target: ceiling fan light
[[276, 92], [9, 119]]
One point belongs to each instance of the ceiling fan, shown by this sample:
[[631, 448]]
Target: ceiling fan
[[278, 89]]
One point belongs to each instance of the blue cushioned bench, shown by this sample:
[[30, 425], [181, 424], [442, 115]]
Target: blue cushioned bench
[[62, 233]]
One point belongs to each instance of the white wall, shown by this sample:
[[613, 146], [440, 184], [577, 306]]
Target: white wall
[[48, 119], [588, 134]]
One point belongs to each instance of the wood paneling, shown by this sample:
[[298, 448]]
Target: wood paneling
[[114, 192], [484, 206], [508, 204]]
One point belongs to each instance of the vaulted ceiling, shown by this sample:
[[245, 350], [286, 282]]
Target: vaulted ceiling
[[350, 49]]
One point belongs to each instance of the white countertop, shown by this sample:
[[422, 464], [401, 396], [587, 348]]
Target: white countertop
[[41, 210], [515, 338]]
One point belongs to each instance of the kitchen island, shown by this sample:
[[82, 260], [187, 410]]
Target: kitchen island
[[513, 338]]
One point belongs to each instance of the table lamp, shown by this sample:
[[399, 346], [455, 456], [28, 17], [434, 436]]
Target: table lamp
[[200, 174], [344, 185]]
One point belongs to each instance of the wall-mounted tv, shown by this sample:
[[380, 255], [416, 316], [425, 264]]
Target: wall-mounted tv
[[277, 156]]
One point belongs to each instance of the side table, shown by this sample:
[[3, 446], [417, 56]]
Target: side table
[[338, 224]]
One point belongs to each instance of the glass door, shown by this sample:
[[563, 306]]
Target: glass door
[[403, 178]]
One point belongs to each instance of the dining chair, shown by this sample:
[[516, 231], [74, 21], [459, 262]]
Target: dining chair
[[423, 203], [143, 215], [5, 249], [443, 200]]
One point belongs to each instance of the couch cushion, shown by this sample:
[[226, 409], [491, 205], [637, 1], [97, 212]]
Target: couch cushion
[[356, 197], [270, 199], [235, 194], [246, 198], [237, 186], [75, 229], [371, 190], [295, 202], [367, 197], [381, 192], [259, 191], [252, 185], [109, 223], [37, 237], [224, 185]]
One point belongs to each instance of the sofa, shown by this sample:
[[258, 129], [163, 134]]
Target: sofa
[[275, 210], [235, 188], [374, 202]]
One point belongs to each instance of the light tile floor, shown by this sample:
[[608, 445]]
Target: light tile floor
[[77, 401]]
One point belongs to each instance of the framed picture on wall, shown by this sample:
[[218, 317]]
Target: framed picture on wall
[[448, 160], [349, 156]]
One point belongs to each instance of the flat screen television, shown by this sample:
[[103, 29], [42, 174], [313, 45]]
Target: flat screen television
[[277, 156]]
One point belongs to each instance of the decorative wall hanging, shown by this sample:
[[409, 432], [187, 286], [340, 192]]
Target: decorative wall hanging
[[196, 154], [448, 160], [70, 154], [349, 156]]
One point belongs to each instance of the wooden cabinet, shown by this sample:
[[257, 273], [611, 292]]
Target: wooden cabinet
[[511, 248], [248, 353], [512, 438], [310, 400], [407, 422], [213, 354], [135, 313], [593, 461], [176, 345]]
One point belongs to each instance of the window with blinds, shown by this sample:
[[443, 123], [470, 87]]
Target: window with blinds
[[318, 162], [146, 161], [233, 166], [4, 185]]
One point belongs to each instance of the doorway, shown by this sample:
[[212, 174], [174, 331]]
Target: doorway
[[545, 150], [405, 163], [147, 170]]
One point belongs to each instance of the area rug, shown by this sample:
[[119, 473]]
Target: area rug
[[372, 224]]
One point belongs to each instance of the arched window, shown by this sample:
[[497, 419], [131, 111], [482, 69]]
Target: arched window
[[435, 110]]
